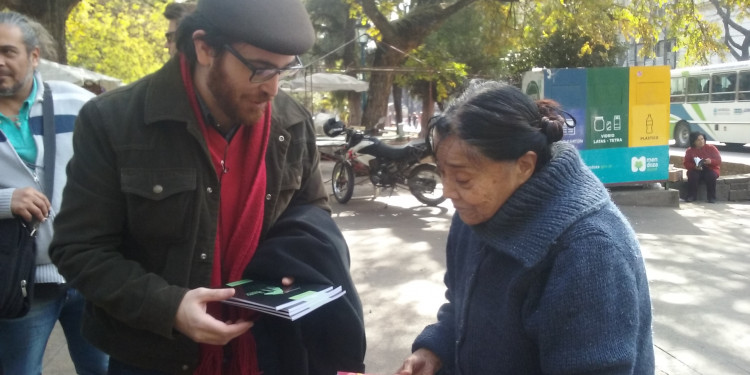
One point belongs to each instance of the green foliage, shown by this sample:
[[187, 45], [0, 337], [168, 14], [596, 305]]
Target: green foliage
[[120, 38], [501, 40], [561, 49], [329, 17], [474, 37], [432, 67]]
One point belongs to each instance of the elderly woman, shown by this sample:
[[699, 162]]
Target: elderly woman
[[703, 163], [544, 274]]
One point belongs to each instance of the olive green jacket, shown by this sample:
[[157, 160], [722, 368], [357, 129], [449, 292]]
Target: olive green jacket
[[139, 213]]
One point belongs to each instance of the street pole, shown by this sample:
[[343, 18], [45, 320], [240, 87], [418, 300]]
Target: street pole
[[363, 58]]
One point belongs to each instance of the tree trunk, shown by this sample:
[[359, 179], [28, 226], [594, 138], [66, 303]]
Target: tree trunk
[[397, 96], [376, 110], [400, 37], [355, 108], [349, 59], [428, 110], [52, 14], [732, 30]]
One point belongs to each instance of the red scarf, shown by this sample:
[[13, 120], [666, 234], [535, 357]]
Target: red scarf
[[243, 180]]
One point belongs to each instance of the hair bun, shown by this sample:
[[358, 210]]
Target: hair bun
[[552, 127]]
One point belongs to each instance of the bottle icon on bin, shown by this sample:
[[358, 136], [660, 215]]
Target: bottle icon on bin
[[599, 123], [649, 124]]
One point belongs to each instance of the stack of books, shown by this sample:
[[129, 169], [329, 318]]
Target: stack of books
[[290, 302]]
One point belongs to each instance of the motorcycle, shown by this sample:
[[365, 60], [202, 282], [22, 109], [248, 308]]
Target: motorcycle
[[386, 166]]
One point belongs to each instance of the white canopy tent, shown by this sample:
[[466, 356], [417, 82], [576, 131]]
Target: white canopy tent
[[51, 70], [325, 82]]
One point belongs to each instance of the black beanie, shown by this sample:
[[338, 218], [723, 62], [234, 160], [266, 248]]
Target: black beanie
[[278, 26]]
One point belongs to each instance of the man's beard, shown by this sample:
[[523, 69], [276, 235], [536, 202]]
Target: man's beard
[[226, 97], [12, 90]]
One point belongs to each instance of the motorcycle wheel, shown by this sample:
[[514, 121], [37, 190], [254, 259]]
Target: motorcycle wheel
[[426, 185], [342, 182]]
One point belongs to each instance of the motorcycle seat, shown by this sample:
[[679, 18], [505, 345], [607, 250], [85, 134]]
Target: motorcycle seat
[[392, 152]]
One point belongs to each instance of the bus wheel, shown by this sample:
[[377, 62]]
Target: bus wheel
[[682, 134]]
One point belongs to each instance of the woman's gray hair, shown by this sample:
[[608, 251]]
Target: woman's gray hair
[[502, 122]]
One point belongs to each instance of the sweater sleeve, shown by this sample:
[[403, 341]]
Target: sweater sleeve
[[714, 154], [594, 312], [440, 337], [5, 196]]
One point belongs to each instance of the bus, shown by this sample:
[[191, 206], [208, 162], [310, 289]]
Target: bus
[[712, 99]]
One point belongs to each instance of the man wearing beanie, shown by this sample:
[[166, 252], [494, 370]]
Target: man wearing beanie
[[180, 183]]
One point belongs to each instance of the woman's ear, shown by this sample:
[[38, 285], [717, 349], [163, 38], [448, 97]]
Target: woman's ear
[[525, 165]]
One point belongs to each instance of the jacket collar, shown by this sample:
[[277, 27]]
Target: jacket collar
[[166, 98], [40, 87], [540, 210], [285, 112]]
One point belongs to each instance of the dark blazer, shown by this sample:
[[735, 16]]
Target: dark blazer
[[306, 243]]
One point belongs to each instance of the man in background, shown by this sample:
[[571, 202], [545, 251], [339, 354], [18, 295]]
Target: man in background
[[22, 172], [175, 13]]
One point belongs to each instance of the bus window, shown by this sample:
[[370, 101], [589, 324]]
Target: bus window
[[722, 119], [744, 87], [723, 87], [678, 90], [695, 89]]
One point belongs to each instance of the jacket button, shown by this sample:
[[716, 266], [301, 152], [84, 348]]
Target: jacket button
[[204, 256], [281, 138], [158, 189], [209, 190], [268, 197], [185, 367]]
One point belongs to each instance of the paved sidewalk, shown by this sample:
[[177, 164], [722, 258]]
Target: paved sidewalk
[[697, 258], [698, 263]]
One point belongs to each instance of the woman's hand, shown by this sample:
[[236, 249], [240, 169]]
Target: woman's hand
[[707, 161], [421, 362]]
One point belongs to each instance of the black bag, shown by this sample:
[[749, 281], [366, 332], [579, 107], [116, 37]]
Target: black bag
[[17, 238], [17, 267]]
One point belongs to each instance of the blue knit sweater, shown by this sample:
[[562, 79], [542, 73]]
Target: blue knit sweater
[[553, 283]]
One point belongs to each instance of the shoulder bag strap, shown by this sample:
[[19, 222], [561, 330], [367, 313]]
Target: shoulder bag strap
[[48, 118]]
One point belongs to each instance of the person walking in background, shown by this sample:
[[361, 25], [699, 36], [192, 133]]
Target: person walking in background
[[175, 13], [703, 163], [181, 182], [22, 170], [544, 273]]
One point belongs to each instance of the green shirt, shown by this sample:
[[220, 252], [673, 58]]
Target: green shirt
[[19, 133]]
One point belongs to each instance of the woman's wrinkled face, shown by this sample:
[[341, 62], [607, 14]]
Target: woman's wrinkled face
[[477, 185]]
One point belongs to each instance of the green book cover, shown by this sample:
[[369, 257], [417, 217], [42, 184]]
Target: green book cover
[[291, 301]]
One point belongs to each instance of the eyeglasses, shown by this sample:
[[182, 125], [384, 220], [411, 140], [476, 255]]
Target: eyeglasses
[[170, 36], [264, 74]]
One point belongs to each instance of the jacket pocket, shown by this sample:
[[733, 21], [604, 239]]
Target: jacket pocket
[[291, 178], [158, 202]]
